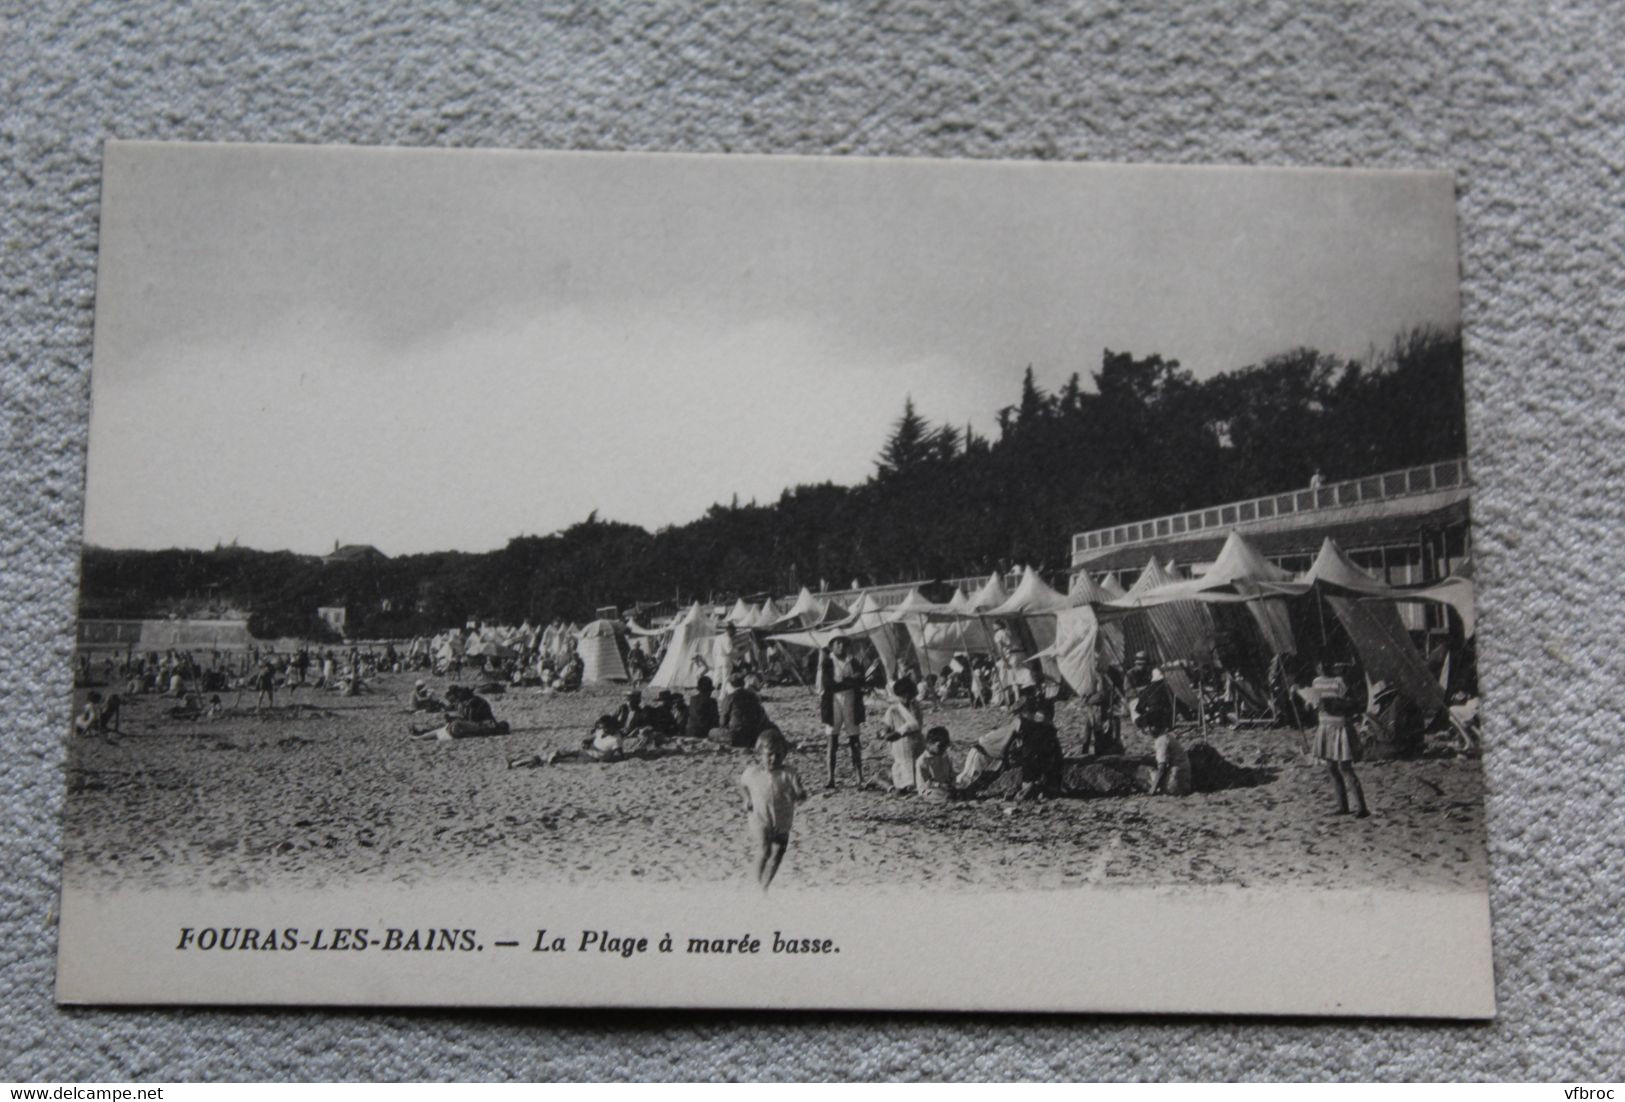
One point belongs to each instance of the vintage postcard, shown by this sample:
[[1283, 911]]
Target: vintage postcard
[[546, 579]]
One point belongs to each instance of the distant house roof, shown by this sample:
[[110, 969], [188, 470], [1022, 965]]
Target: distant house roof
[[354, 552], [1353, 536]]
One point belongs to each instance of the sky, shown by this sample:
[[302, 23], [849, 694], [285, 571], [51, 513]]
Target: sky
[[441, 350]]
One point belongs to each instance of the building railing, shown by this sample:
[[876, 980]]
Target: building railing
[[1450, 474]]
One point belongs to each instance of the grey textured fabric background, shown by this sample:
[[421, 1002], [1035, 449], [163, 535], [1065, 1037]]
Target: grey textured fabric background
[[1524, 101]]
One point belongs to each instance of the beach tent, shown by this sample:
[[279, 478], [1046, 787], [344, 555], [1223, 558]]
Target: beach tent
[[602, 647], [1030, 613], [942, 631], [1086, 591], [738, 616], [488, 647], [804, 611], [1365, 609], [869, 626], [696, 648], [1173, 625], [991, 595], [810, 611]]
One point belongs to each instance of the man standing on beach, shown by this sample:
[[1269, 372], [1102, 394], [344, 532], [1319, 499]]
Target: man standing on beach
[[840, 705]]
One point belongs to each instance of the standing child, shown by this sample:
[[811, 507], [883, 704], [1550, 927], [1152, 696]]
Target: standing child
[[265, 686], [1336, 743], [934, 771], [772, 790], [904, 726]]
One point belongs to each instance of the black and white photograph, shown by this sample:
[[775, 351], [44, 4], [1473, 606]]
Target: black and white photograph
[[575, 579]]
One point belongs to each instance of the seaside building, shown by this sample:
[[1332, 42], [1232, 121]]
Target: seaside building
[[1402, 527]]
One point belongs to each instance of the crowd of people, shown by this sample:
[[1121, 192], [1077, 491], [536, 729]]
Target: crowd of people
[[1025, 743]]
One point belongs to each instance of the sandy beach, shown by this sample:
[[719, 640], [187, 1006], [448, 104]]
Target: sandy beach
[[334, 791]]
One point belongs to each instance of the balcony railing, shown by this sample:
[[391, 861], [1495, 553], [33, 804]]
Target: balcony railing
[[1450, 474]]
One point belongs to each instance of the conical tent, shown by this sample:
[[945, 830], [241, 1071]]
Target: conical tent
[[940, 634], [991, 595], [1031, 597], [804, 612], [602, 647], [1365, 608], [1085, 591], [914, 605], [1030, 614], [739, 615], [696, 648]]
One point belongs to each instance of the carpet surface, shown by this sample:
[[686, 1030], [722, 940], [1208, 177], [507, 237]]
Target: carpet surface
[[1524, 102]]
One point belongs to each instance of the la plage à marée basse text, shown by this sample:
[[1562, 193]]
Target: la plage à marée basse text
[[456, 939]]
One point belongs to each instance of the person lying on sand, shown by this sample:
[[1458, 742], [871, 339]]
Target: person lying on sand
[[468, 716], [607, 743]]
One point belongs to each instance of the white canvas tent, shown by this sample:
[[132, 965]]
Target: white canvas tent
[[696, 648], [602, 647], [939, 632], [1030, 611], [991, 595], [867, 622]]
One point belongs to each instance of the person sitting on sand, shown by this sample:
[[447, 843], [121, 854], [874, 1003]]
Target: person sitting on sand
[[668, 715], [743, 717], [903, 725], [934, 769], [703, 716], [570, 679], [468, 716], [420, 699], [1150, 699], [1336, 743], [772, 790], [1173, 774], [630, 715], [215, 709], [88, 721], [1040, 747], [1029, 739]]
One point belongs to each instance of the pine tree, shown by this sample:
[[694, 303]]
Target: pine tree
[[909, 444], [1033, 403]]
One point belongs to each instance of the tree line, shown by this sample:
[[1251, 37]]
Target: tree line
[[1142, 437]]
